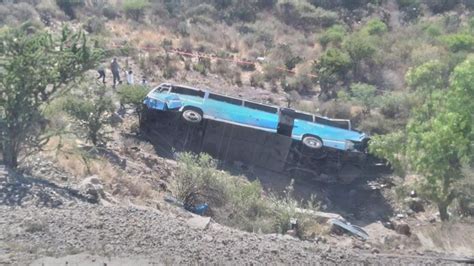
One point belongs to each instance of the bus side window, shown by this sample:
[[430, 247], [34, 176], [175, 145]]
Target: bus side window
[[226, 99], [163, 89], [187, 91]]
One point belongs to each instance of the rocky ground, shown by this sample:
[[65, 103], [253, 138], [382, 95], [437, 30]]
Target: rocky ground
[[30, 233], [47, 224]]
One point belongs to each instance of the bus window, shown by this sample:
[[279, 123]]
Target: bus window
[[163, 89], [339, 124], [187, 91], [261, 107], [303, 116], [226, 99]]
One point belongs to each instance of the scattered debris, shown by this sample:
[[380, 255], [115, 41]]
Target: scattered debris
[[199, 222], [415, 204], [353, 229]]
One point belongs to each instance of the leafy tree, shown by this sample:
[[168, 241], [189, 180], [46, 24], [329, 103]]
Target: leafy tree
[[428, 77], [438, 144], [133, 95], [91, 113], [35, 67], [332, 66], [334, 35], [135, 9], [303, 15], [360, 48], [364, 94], [376, 27], [459, 42]]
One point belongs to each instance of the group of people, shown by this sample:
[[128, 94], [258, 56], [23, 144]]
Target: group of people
[[115, 69]]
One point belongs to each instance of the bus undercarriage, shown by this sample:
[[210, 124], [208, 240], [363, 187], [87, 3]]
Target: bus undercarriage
[[231, 143]]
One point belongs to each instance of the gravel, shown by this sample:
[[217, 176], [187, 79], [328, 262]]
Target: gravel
[[28, 233]]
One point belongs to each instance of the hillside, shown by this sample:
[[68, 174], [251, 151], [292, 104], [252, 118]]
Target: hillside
[[81, 182], [349, 58]]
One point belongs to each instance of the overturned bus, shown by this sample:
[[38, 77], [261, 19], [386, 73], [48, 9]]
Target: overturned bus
[[313, 131], [232, 129]]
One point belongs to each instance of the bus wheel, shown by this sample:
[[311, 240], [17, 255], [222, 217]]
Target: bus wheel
[[192, 115], [312, 142]]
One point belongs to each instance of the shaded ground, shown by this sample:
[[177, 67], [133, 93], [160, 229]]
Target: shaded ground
[[357, 202]]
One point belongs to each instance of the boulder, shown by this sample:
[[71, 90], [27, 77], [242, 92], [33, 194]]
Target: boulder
[[402, 228], [92, 189], [199, 222], [415, 204]]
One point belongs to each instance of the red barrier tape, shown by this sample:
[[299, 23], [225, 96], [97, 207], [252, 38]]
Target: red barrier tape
[[213, 57]]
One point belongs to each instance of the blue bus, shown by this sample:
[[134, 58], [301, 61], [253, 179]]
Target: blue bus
[[314, 132]]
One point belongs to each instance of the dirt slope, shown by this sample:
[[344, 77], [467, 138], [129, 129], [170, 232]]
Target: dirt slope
[[153, 236]]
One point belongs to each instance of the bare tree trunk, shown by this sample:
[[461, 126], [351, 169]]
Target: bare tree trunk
[[10, 154], [443, 211]]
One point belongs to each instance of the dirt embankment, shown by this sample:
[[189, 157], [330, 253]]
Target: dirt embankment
[[43, 220], [133, 232]]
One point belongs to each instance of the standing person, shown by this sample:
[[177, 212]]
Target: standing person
[[101, 71], [115, 68], [144, 82], [129, 77]]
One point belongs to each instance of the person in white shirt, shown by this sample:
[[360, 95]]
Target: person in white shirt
[[129, 77]]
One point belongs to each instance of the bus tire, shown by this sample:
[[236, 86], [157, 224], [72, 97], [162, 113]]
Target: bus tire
[[312, 142], [192, 115]]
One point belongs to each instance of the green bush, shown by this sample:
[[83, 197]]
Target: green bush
[[201, 68], [303, 15], [428, 77], [135, 9], [433, 30], [133, 95], [363, 94], [375, 27], [334, 61], [334, 35], [459, 42], [395, 106], [331, 68], [360, 47], [91, 113]]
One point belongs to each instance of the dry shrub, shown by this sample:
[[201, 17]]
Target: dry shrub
[[336, 109], [233, 200], [72, 163], [14, 14], [257, 79], [378, 124], [127, 186]]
